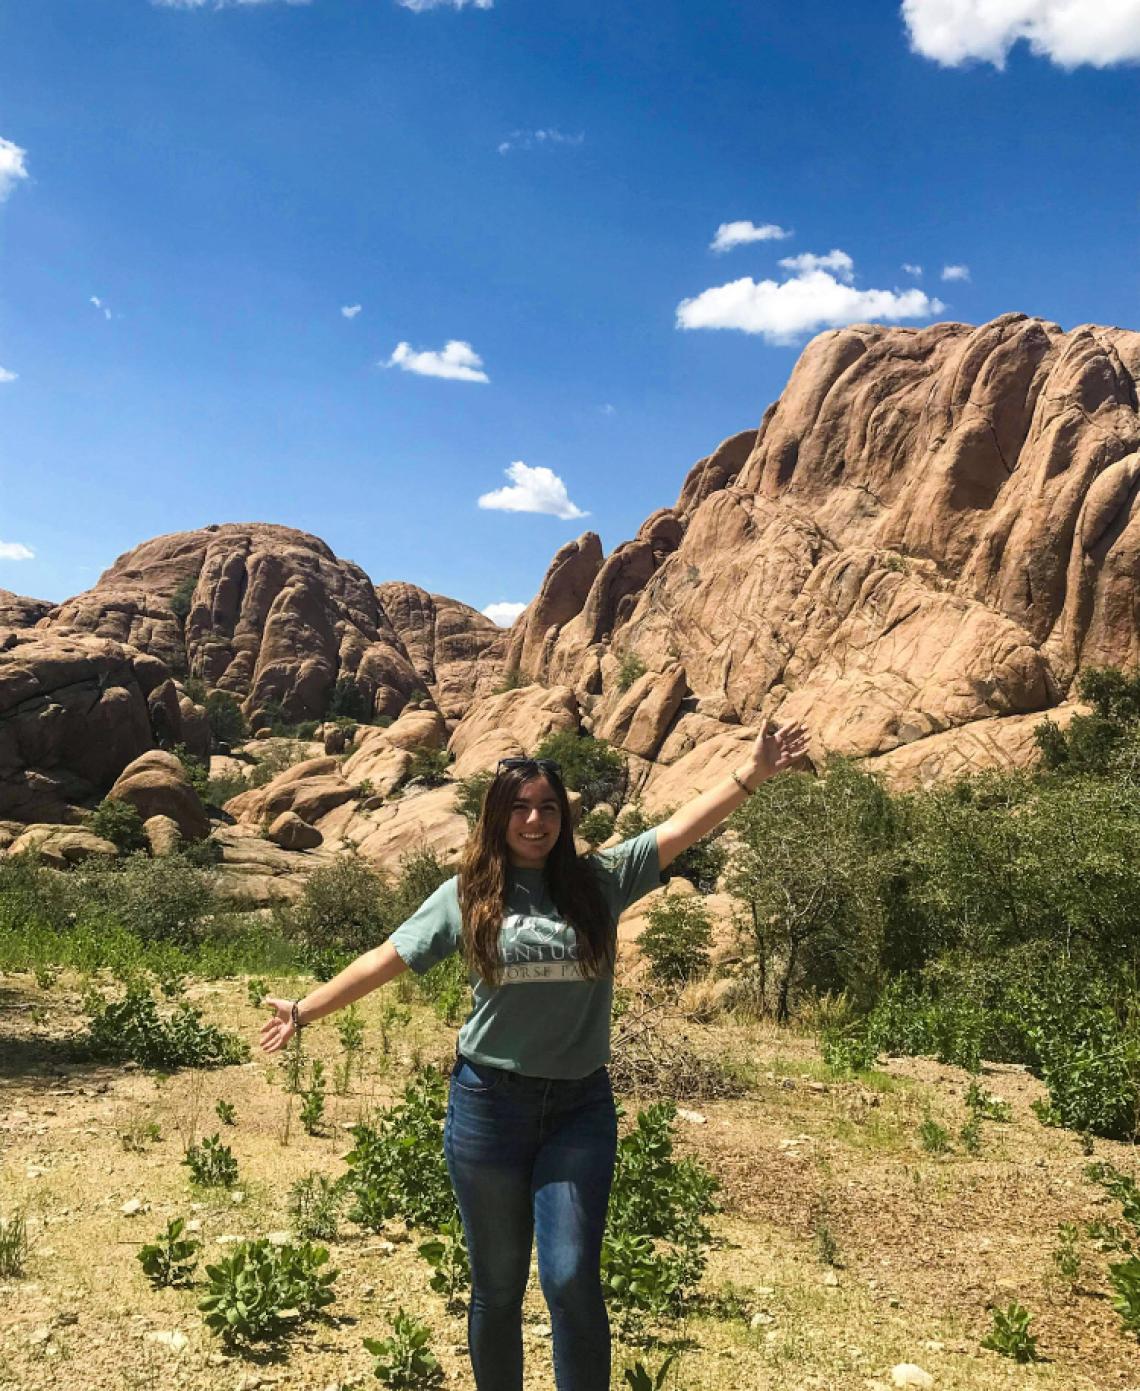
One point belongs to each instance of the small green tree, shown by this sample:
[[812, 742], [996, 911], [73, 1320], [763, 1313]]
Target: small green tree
[[469, 794], [676, 939], [183, 597], [121, 824], [349, 701], [347, 905], [589, 766], [630, 669], [227, 723]]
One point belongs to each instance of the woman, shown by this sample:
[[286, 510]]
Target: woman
[[531, 1131]]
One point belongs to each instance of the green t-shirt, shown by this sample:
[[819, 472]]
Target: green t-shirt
[[545, 1019]]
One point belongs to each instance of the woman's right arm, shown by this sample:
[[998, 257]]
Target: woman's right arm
[[367, 973]]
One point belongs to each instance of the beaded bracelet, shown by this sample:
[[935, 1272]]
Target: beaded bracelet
[[295, 1018], [748, 791]]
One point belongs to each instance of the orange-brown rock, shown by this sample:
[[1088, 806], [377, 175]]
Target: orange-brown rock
[[162, 835], [510, 724], [419, 820], [311, 789], [73, 714], [18, 611], [290, 832], [933, 529], [416, 729], [155, 784], [62, 846], [639, 721], [457, 652]]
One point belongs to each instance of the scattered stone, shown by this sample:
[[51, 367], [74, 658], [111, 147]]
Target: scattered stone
[[132, 1207], [831, 1279], [237, 1196], [909, 1375], [278, 1238], [760, 1320], [35, 1171], [693, 1117], [172, 1338], [194, 1225]]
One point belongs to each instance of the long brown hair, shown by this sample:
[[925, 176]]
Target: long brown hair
[[484, 874]]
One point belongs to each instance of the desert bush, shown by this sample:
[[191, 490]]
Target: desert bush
[[469, 794], [313, 1099], [347, 906], [701, 864], [1092, 743], [197, 772], [676, 939], [596, 826], [1010, 1335], [225, 1112], [262, 1292], [404, 1361], [315, 1202], [429, 767], [421, 872], [589, 766], [211, 1164], [162, 900], [447, 988], [131, 1029], [446, 1253], [121, 824], [630, 669], [170, 1259], [182, 598], [349, 701], [226, 720], [397, 1166], [13, 1245]]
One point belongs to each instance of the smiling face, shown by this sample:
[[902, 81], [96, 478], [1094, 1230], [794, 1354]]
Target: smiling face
[[534, 824]]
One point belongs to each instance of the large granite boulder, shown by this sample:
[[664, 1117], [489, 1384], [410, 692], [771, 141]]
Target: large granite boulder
[[156, 785]]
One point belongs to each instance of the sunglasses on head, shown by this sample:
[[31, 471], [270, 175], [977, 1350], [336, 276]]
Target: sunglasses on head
[[544, 765]]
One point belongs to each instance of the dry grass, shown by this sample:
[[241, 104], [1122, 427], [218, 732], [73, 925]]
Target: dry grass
[[924, 1244]]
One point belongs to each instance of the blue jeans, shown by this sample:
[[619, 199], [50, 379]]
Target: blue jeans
[[532, 1159]]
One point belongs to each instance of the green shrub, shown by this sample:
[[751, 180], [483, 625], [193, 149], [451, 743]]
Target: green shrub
[[170, 1259], [589, 766], [349, 701], [447, 988], [469, 794], [429, 767], [211, 1164], [405, 1361], [630, 669], [639, 1378], [347, 905], [447, 1256], [183, 597], [226, 720], [13, 1245], [935, 1138], [315, 1202], [121, 824], [397, 1166], [197, 772], [1010, 1334], [225, 1112], [596, 826], [131, 1029], [513, 680], [676, 939], [313, 1099], [161, 900], [261, 1292]]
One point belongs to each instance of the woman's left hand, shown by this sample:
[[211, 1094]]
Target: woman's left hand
[[778, 748]]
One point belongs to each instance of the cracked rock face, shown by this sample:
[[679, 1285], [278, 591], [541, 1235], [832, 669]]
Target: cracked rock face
[[933, 528]]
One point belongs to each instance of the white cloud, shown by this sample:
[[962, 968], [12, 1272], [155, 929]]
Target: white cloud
[[418, 6], [458, 362], [350, 311], [534, 139], [609, 409], [532, 490], [955, 272], [781, 312], [730, 234], [6, 376], [101, 306], [503, 614], [13, 550], [838, 261], [912, 269], [1068, 32], [12, 167]]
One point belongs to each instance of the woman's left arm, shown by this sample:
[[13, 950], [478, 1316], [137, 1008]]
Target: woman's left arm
[[774, 750]]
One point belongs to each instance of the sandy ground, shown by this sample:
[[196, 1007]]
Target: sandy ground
[[925, 1244]]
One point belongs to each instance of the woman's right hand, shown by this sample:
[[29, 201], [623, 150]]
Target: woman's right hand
[[278, 1029]]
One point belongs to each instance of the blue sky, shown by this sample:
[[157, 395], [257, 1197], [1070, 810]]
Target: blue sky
[[191, 194]]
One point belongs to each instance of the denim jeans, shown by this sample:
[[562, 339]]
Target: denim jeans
[[532, 1160]]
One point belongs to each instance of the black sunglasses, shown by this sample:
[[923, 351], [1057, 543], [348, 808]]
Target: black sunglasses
[[544, 765]]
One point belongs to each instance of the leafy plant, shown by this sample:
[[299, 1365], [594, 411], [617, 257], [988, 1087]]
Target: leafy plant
[[315, 1202], [197, 772], [397, 1166], [469, 794], [985, 1105], [596, 826], [1010, 1334], [429, 767], [256, 989], [1067, 1253], [226, 720], [13, 1245], [182, 598], [935, 1138], [589, 766], [261, 1292], [446, 1253], [171, 1258], [293, 1064], [313, 1099], [1124, 1277], [630, 669], [676, 939], [404, 1361], [131, 1029], [639, 1378], [211, 1164], [121, 824]]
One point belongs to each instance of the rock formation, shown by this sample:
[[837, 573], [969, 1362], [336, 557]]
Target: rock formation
[[932, 528]]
